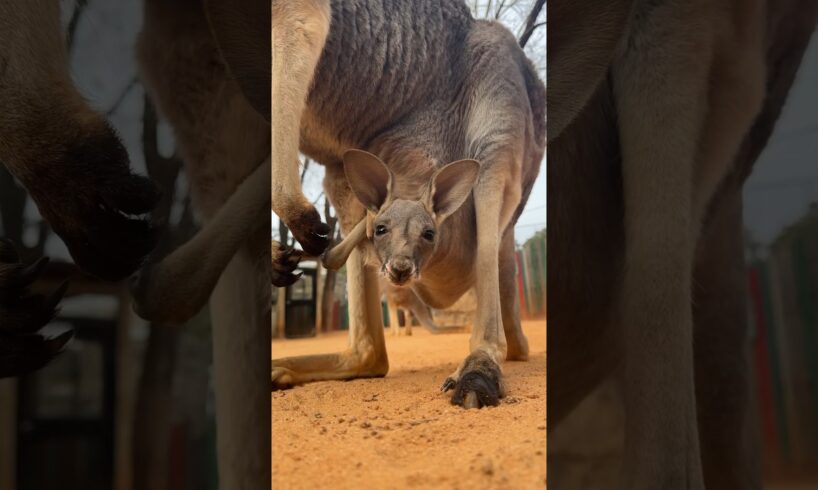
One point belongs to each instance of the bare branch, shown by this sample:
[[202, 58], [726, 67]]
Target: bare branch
[[74, 22], [307, 162], [131, 84], [315, 201], [531, 22]]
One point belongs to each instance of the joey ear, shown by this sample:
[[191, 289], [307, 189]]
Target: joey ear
[[369, 178], [451, 185]]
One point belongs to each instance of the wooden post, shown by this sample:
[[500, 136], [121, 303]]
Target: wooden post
[[281, 315], [125, 397], [320, 325], [8, 433]]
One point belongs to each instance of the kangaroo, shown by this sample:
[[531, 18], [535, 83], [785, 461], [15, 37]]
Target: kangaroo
[[459, 90], [76, 171], [653, 127], [406, 300]]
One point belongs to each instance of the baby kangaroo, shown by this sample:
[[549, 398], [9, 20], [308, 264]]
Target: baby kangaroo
[[425, 237]]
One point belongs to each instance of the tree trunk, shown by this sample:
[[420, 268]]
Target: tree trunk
[[154, 407]]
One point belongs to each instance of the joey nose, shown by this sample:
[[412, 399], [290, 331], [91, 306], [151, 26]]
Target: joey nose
[[401, 268]]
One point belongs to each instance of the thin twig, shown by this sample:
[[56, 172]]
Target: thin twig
[[131, 84]]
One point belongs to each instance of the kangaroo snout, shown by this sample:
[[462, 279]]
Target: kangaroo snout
[[400, 270]]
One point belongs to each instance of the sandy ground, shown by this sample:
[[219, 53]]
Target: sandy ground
[[401, 431]]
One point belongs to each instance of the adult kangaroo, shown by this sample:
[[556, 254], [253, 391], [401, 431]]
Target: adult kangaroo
[[654, 125], [398, 91]]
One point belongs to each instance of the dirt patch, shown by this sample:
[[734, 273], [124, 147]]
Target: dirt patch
[[400, 431]]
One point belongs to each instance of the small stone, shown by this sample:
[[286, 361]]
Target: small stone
[[365, 425], [488, 468], [540, 427]]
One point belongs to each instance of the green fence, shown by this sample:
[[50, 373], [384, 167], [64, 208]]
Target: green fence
[[531, 276]]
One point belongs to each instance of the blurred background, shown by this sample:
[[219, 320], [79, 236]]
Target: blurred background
[[781, 238], [128, 405], [781, 231]]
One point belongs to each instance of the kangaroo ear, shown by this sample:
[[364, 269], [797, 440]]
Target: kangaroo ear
[[242, 32], [451, 185], [369, 177]]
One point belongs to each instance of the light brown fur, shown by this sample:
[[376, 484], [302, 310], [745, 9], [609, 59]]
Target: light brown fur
[[686, 81]]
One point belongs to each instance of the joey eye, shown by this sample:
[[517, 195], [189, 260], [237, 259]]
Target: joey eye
[[429, 235], [380, 230]]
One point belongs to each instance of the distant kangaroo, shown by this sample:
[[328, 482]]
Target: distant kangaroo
[[404, 299], [444, 88]]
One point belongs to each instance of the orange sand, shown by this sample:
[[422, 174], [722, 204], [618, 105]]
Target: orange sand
[[401, 431]]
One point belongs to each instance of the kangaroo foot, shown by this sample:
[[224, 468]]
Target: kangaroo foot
[[477, 383], [23, 348], [312, 233], [285, 261], [291, 371]]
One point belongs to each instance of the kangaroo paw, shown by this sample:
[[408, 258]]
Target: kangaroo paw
[[479, 384], [23, 348], [101, 209], [285, 261], [312, 233]]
